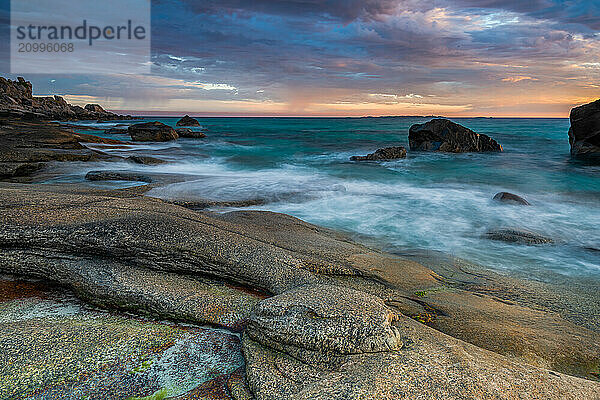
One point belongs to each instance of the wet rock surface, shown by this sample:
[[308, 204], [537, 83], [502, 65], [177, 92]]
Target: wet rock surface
[[145, 160], [189, 133], [345, 321], [447, 136], [518, 236], [385, 154], [117, 176], [584, 134], [152, 132], [510, 198], [27, 147]]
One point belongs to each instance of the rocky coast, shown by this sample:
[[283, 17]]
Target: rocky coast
[[182, 303]]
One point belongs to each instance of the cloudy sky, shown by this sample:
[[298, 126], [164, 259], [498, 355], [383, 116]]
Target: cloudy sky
[[358, 57]]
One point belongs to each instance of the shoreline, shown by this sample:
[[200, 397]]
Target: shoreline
[[119, 249]]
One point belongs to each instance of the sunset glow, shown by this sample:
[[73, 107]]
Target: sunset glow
[[358, 58]]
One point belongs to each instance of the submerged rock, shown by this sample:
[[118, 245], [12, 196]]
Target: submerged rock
[[387, 153], [116, 131], [506, 197], [152, 132], [187, 121], [145, 160], [116, 176], [446, 136], [519, 236], [188, 133], [584, 134]]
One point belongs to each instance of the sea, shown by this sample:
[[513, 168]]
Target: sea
[[428, 202]]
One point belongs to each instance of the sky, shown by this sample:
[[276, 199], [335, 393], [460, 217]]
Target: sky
[[535, 58]]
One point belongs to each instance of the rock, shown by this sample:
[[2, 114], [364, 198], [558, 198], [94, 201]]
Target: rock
[[584, 134], [506, 197], [187, 121], [145, 160], [26, 147], [116, 131], [116, 176], [53, 346], [519, 236], [152, 132], [17, 101], [446, 136], [317, 322], [387, 153], [188, 133], [96, 108], [122, 249], [328, 342], [84, 138], [17, 169]]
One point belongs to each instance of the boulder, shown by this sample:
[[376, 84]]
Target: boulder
[[511, 198], [584, 134], [188, 133], [519, 236], [318, 322], [387, 153], [152, 132], [446, 136], [94, 108], [188, 121]]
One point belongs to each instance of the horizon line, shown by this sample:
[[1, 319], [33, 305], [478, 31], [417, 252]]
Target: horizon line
[[174, 114]]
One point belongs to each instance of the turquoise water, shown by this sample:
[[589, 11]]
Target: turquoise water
[[429, 201]]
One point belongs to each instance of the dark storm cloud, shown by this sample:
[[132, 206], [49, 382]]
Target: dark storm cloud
[[271, 50]]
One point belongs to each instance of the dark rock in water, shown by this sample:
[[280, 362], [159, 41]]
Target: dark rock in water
[[145, 160], [387, 153], [116, 131], [116, 176], [446, 136], [187, 121], [188, 133], [584, 134], [506, 197], [152, 132], [518, 236]]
